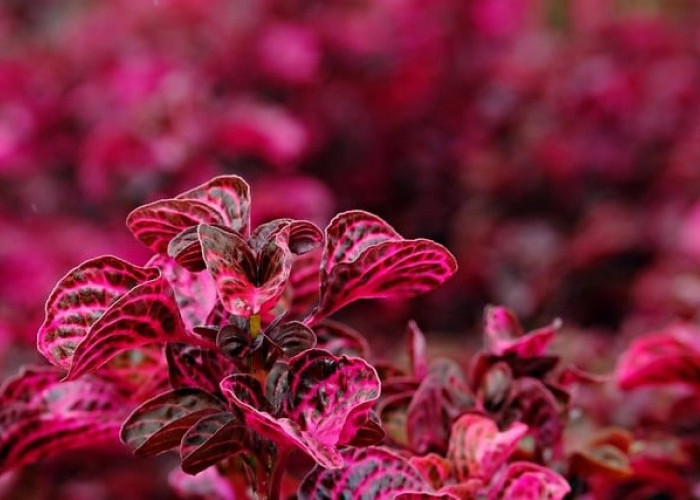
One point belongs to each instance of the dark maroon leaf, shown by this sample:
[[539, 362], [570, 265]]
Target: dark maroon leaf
[[213, 438], [293, 337], [300, 236], [186, 250], [157, 223], [159, 424], [339, 339], [230, 196], [146, 314], [372, 472], [365, 258], [195, 367], [80, 298]]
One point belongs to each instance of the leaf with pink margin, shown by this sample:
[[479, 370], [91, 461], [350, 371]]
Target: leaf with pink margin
[[79, 299], [417, 350], [365, 258], [147, 314], [245, 394], [196, 367], [325, 390], [372, 472], [230, 196], [212, 439], [62, 416], [300, 236], [666, 357], [338, 339], [195, 293], [504, 335], [529, 481], [157, 223], [159, 424], [436, 470], [246, 284], [440, 398], [304, 282], [478, 449]]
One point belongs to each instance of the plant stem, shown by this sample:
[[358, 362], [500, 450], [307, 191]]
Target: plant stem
[[277, 473]]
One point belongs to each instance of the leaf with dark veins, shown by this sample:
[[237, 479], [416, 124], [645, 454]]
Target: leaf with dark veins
[[159, 424], [213, 438], [80, 299]]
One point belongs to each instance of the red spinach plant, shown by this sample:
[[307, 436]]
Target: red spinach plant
[[210, 348]]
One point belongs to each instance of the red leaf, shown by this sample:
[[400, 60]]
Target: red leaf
[[504, 335], [159, 423], [80, 299], [365, 258], [196, 367], [416, 351], [529, 481]]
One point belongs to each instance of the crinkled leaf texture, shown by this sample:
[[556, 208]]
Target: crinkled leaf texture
[[668, 357], [41, 417], [223, 200], [315, 403], [504, 335], [159, 424], [103, 308], [364, 257], [371, 472], [478, 449]]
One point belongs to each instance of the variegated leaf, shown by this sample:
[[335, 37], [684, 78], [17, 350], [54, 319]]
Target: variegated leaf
[[145, 315], [292, 337], [213, 438], [196, 367], [529, 481], [81, 298], [157, 223], [159, 424]]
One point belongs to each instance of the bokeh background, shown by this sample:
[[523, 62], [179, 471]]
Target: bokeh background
[[552, 145]]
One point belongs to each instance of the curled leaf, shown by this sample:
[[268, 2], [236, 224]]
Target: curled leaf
[[213, 438]]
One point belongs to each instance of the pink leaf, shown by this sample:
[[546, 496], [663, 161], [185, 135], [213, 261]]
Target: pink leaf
[[29, 383], [504, 335], [372, 472], [670, 357], [186, 250], [245, 394], [146, 314], [230, 196], [61, 416], [213, 438], [157, 223], [206, 485], [529, 481], [304, 282], [325, 390], [246, 284], [337, 338], [81, 298], [477, 448], [159, 423], [365, 258], [435, 469]]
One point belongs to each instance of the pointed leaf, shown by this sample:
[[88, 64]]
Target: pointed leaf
[[244, 393], [477, 448], [504, 335], [159, 424], [372, 472], [230, 196], [416, 351], [157, 223], [79, 299], [145, 315], [364, 258], [213, 438]]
